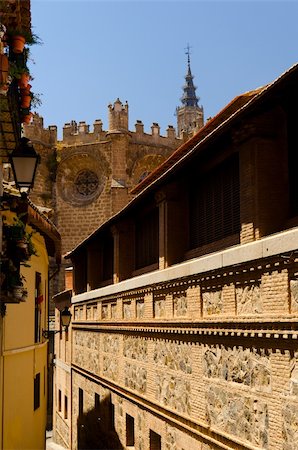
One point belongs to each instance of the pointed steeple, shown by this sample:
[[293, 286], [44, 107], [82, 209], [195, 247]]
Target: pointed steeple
[[189, 97], [190, 116]]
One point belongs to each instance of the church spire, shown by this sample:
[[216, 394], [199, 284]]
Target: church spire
[[190, 116], [189, 97]]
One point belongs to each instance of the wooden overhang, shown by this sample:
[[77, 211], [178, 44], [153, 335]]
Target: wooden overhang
[[228, 117]]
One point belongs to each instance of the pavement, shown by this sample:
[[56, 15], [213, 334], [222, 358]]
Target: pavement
[[50, 444]]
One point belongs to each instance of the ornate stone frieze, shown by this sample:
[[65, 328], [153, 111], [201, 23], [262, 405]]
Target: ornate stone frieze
[[135, 348], [250, 367], [249, 299], [294, 375], [180, 305], [173, 355], [159, 306], [289, 426], [85, 350], [110, 367], [212, 302], [127, 310], [110, 344], [135, 377], [238, 415], [294, 295], [140, 308], [173, 392]]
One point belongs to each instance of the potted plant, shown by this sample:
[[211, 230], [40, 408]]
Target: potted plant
[[17, 38]]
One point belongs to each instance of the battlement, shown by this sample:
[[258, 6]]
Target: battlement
[[82, 133]]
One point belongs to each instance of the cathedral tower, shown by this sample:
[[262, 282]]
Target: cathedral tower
[[190, 116]]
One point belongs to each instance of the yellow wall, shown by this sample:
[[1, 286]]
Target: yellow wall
[[24, 428]]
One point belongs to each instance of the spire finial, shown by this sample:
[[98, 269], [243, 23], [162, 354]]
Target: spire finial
[[188, 47]]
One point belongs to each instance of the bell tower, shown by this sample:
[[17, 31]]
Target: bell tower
[[190, 116]]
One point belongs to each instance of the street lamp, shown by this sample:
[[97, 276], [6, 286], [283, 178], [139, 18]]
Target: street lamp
[[65, 318], [24, 161]]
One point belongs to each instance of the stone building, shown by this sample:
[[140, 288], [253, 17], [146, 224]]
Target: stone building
[[185, 302]]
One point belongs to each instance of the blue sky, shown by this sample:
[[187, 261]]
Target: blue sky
[[96, 51]]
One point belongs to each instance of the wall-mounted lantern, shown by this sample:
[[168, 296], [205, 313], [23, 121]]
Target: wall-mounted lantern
[[65, 318], [24, 161]]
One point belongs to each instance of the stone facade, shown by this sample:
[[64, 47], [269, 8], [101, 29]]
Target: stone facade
[[86, 177]]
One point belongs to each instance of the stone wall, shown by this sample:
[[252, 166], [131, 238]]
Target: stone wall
[[209, 351]]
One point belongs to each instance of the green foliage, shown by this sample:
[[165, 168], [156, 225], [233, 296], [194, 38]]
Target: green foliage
[[30, 38]]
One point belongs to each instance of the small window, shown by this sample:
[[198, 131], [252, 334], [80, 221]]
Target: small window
[[130, 431], [65, 406], [37, 391], [81, 401], [59, 400], [155, 441]]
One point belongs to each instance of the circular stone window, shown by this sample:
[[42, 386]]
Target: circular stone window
[[86, 183], [81, 179]]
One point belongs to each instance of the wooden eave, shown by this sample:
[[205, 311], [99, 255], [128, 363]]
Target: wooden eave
[[221, 123]]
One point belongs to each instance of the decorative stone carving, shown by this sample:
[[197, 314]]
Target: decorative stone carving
[[113, 310], [174, 355], [173, 392], [110, 367], [238, 415], [135, 348], [170, 438], [104, 311], [110, 344], [85, 350], [290, 426], [159, 307], [250, 367], [135, 377], [249, 300], [127, 310], [180, 305], [294, 375], [140, 304], [294, 295], [212, 302]]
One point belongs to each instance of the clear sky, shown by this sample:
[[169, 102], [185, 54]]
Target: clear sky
[[96, 51]]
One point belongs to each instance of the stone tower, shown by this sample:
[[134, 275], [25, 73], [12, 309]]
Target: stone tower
[[190, 116]]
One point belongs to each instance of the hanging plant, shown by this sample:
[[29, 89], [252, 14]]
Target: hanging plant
[[17, 38]]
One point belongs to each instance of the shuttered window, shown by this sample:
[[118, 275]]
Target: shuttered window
[[214, 205], [146, 238], [108, 258]]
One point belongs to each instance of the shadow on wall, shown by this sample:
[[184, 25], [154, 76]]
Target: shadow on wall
[[96, 428]]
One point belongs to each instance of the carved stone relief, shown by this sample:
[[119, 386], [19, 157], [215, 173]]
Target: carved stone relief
[[135, 348], [127, 310], [110, 344], [140, 308], [180, 305], [294, 375], [85, 350], [238, 415], [110, 367], [290, 426], [135, 377], [175, 356], [212, 302], [250, 367], [173, 392], [249, 300], [294, 295], [159, 307]]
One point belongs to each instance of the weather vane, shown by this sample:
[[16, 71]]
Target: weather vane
[[188, 47]]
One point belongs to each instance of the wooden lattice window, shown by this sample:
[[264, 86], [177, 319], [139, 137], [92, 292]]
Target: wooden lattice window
[[146, 238], [107, 257], [214, 206]]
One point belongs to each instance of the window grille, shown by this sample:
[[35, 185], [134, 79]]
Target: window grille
[[214, 205], [147, 235]]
